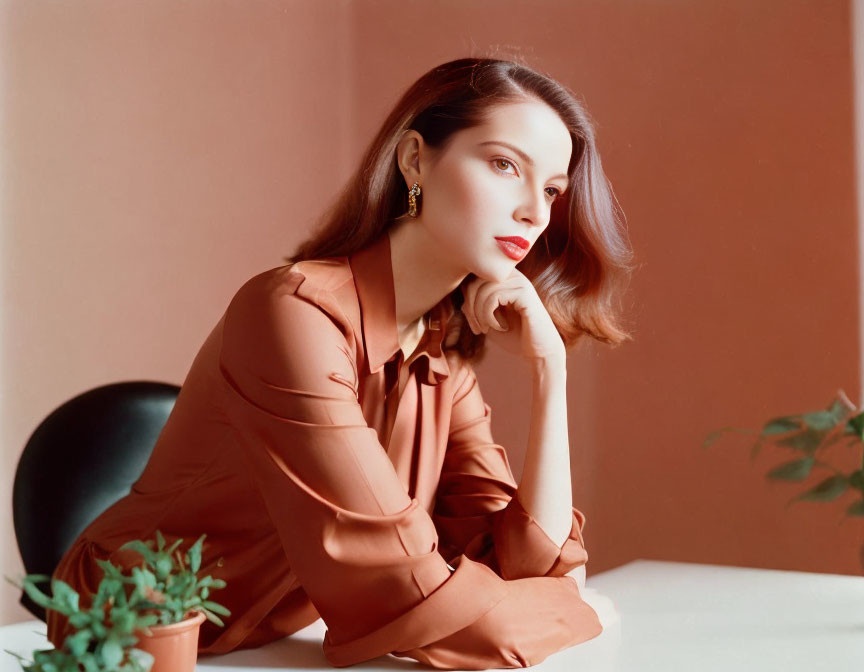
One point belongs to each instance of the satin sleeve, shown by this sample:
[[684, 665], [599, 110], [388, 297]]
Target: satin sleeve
[[364, 551], [478, 511]]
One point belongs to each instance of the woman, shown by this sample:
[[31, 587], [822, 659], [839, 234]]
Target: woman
[[331, 438]]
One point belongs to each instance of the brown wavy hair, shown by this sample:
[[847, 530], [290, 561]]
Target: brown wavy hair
[[583, 264]]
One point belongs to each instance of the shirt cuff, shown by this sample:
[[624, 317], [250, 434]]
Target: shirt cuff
[[524, 549], [472, 590]]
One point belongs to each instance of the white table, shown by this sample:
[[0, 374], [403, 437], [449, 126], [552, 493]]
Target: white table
[[674, 616]]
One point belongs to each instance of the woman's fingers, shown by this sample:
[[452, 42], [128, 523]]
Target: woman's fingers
[[484, 304], [482, 299], [490, 302]]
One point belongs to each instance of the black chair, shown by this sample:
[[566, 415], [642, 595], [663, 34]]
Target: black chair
[[80, 460]]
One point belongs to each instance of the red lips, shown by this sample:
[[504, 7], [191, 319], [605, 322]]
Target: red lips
[[516, 240]]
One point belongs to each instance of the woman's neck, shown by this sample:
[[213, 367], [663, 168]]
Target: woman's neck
[[422, 274]]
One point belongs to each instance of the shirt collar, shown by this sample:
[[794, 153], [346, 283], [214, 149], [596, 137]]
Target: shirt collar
[[372, 269]]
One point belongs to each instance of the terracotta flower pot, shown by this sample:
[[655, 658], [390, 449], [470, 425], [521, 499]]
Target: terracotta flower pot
[[174, 647]]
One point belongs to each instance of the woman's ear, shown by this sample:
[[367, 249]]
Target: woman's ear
[[408, 155]]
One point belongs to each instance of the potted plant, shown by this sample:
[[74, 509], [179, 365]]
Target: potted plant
[[103, 636], [144, 620], [807, 435], [168, 587]]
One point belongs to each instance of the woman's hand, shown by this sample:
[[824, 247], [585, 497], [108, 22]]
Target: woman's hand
[[512, 315]]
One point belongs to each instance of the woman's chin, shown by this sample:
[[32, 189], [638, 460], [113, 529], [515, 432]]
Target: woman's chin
[[494, 272]]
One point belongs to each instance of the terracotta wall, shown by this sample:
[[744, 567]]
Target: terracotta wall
[[157, 155]]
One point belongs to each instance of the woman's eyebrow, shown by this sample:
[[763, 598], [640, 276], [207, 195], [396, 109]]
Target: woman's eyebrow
[[527, 159]]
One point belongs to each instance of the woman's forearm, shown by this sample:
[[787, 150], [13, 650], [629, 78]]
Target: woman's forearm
[[545, 489]]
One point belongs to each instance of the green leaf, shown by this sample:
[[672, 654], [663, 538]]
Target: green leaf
[[143, 577], [110, 587], [757, 446], [112, 652], [855, 424], [125, 620], [78, 642], [142, 548], [160, 541], [218, 608], [31, 578], [64, 595], [149, 577], [108, 568], [713, 436], [797, 470], [856, 508], [182, 583], [828, 490], [79, 620], [142, 659], [808, 440], [38, 596], [195, 554], [146, 620], [781, 425], [90, 663], [163, 566], [839, 410], [820, 420], [856, 479], [213, 617]]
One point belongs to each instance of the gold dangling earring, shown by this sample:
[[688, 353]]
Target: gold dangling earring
[[412, 199]]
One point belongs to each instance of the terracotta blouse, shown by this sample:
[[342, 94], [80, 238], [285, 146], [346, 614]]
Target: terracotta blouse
[[337, 480]]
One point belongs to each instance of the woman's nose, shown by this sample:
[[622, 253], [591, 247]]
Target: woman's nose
[[533, 209]]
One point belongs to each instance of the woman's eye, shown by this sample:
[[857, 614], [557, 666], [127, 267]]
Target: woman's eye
[[500, 161], [555, 191]]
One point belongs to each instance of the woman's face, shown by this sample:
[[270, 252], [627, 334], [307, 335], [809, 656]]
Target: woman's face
[[479, 189]]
